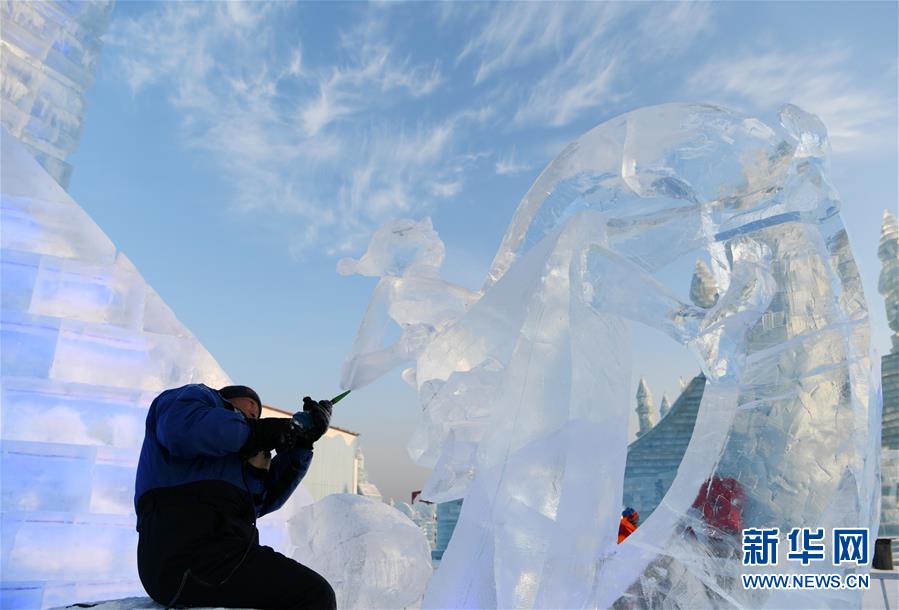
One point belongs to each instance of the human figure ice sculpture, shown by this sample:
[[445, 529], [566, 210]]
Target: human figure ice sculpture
[[525, 387], [205, 475]]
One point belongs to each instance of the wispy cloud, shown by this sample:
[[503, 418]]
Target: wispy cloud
[[315, 153], [372, 71], [514, 35], [585, 51], [510, 164], [821, 80], [380, 116]]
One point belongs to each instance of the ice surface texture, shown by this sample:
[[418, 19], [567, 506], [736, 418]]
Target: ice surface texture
[[372, 554], [86, 345], [49, 52], [525, 387]]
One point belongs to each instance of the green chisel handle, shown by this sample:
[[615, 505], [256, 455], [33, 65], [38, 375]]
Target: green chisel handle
[[340, 397]]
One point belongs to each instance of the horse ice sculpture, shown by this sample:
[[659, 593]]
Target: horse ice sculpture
[[525, 386]]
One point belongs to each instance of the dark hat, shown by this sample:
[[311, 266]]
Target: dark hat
[[240, 391]]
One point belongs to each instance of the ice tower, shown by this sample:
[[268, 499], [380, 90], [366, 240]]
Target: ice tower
[[644, 408], [86, 343], [49, 53], [664, 406]]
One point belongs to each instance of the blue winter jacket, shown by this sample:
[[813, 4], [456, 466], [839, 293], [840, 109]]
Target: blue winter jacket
[[193, 437]]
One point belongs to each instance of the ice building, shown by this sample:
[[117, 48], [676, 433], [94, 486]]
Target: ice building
[[664, 406], [447, 516], [888, 286], [644, 408], [48, 52], [654, 457], [364, 487]]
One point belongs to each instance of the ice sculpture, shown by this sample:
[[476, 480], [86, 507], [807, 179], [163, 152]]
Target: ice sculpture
[[407, 256], [703, 291], [525, 389], [49, 52], [422, 514], [86, 345], [371, 553]]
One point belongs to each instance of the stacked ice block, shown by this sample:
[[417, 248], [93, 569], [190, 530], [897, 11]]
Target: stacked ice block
[[86, 344]]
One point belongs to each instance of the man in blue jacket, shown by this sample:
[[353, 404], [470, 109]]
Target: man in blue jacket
[[205, 475]]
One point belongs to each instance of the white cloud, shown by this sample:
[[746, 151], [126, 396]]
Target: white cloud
[[321, 111], [564, 94], [400, 171], [669, 27], [822, 81], [322, 154], [585, 50], [446, 190], [510, 164], [516, 34]]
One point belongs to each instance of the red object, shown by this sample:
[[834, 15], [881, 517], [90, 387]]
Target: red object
[[626, 528], [415, 494], [721, 501]]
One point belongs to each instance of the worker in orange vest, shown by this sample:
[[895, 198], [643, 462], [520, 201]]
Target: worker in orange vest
[[630, 519]]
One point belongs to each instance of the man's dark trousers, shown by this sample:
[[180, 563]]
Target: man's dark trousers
[[213, 535]]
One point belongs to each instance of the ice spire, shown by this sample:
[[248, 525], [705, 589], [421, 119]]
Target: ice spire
[[664, 406], [888, 286], [644, 407], [50, 53], [703, 290]]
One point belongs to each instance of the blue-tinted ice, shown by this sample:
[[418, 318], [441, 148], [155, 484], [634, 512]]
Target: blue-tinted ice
[[525, 386]]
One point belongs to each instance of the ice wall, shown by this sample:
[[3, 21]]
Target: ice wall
[[86, 345], [524, 387]]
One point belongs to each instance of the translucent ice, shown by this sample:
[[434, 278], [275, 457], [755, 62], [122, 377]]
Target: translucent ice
[[372, 554], [86, 342], [86, 345], [50, 50], [525, 390], [406, 255]]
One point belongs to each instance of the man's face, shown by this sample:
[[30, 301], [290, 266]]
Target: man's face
[[249, 407]]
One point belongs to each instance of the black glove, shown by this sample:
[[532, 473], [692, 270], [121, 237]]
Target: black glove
[[320, 415], [267, 434]]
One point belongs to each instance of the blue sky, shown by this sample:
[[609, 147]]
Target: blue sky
[[235, 151]]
